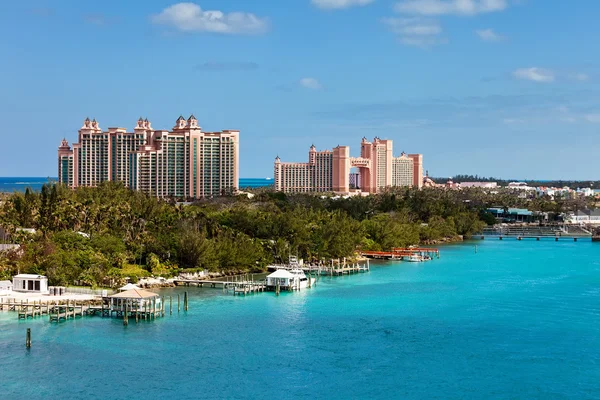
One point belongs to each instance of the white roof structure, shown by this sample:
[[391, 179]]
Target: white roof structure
[[129, 286], [29, 276], [5, 284], [281, 273], [135, 294]]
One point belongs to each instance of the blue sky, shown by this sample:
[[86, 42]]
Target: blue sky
[[508, 88]]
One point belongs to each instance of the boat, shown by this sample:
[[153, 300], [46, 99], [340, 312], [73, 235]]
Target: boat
[[290, 276], [293, 279], [415, 258]]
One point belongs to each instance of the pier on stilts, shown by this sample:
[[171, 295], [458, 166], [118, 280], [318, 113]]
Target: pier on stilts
[[238, 285], [341, 267], [402, 253], [137, 304]]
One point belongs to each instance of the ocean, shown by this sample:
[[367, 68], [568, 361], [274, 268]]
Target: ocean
[[10, 185], [514, 320]]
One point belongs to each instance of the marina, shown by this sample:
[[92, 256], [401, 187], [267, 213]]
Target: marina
[[511, 315], [137, 304]]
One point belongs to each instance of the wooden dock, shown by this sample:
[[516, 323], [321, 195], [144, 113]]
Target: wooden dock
[[67, 311], [343, 270], [401, 253], [201, 282]]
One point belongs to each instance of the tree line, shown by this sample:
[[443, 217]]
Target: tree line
[[558, 183], [103, 235]]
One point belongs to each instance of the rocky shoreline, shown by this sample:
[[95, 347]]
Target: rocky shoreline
[[446, 240]]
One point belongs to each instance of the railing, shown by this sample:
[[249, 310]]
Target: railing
[[94, 292]]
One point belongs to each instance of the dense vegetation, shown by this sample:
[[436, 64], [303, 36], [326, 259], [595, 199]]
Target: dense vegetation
[[559, 183], [99, 236]]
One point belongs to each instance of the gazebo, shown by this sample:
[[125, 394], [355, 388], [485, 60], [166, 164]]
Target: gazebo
[[129, 286], [285, 279], [135, 301]]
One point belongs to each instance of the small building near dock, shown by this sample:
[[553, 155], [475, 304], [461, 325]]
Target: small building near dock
[[133, 299], [30, 283], [5, 288], [281, 278]]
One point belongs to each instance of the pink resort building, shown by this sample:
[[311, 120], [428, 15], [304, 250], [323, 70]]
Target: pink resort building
[[185, 162], [335, 171]]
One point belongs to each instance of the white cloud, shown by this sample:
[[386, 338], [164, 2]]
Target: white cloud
[[511, 121], [535, 74], [568, 119], [594, 118], [581, 77], [488, 35], [310, 83], [450, 7], [339, 4], [189, 17], [416, 31]]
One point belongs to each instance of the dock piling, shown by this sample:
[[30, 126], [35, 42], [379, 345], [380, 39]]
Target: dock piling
[[28, 338], [185, 301], [170, 305]]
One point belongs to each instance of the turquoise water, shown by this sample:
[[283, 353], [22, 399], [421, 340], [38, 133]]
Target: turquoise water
[[516, 320], [10, 185]]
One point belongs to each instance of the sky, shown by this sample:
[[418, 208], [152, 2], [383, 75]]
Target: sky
[[504, 88]]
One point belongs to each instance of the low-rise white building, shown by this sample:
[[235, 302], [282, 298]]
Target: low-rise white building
[[484, 185], [30, 283], [584, 217], [5, 288]]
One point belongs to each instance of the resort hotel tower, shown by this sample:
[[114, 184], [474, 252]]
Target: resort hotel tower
[[185, 162], [332, 170]]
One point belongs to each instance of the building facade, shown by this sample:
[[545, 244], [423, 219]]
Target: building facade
[[332, 171], [403, 171], [185, 162], [322, 173]]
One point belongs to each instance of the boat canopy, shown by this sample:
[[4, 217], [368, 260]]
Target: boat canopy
[[281, 274]]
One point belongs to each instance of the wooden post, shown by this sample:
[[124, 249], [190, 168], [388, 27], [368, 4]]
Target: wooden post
[[125, 317], [170, 305], [28, 338], [185, 301], [178, 303]]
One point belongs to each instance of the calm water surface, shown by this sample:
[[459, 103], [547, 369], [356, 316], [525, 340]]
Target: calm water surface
[[516, 320], [11, 184]]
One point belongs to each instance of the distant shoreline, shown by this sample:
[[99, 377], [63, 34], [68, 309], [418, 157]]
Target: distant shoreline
[[20, 184]]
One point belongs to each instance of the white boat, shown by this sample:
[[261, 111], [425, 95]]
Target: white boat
[[293, 279], [415, 258], [302, 281]]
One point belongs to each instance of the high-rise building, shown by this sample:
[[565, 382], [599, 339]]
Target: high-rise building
[[185, 162], [402, 171], [324, 172], [417, 170], [328, 171]]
